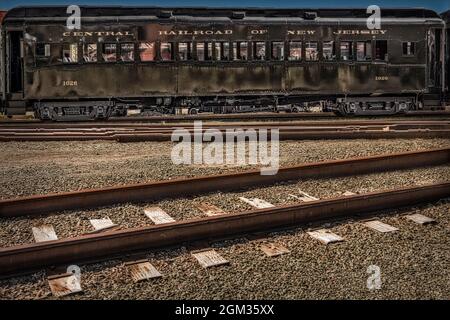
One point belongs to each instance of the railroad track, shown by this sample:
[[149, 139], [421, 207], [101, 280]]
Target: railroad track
[[247, 117], [94, 247], [129, 132]]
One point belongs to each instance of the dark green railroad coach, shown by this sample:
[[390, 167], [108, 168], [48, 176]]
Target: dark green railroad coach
[[219, 60]]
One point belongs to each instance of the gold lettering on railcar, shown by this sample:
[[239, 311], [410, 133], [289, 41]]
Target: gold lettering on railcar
[[194, 32], [70, 83], [381, 78], [97, 33], [261, 31], [301, 32], [360, 32]]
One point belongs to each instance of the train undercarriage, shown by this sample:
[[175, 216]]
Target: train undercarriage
[[343, 106]]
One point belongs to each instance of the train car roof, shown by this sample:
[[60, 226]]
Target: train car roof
[[24, 13], [446, 16]]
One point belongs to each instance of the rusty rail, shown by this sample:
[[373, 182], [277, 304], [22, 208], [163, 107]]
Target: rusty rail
[[246, 116], [226, 182], [307, 135], [283, 136], [139, 125], [89, 247], [135, 132]]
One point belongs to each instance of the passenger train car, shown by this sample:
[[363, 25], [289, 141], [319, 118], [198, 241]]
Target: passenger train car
[[220, 60]]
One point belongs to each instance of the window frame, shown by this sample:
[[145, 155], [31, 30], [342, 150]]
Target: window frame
[[119, 53], [255, 42], [301, 51], [45, 59], [375, 51], [365, 51], [238, 51], [228, 50], [414, 43], [189, 48], [351, 51], [172, 52], [155, 52], [222, 51], [335, 59], [317, 48], [283, 46], [62, 52], [196, 51], [84, 44], [103, 52]]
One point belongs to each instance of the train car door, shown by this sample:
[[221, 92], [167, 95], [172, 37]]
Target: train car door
[[447, 62], [434, 58], [14, 58]]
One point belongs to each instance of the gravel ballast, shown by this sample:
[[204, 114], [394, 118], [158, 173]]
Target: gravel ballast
[[413, 261], [30, 168], [17, 231]]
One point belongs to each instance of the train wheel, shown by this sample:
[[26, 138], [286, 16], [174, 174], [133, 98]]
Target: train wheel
[[295, 109]]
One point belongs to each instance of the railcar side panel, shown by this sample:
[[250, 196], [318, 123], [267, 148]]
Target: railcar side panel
[[179, 78], [101, 81]]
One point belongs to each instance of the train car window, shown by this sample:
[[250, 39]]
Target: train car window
[[260, 50], [90, 52], [70, 53], [225, 51], [295, 51], [363, 50], [409, 48], [218, 51], [42, 54], [184, 51], [147, 51], [381, 50], [43, 49], [329, 51], [240, 50], [166, 51], [209, 51], [277, 50], [55, 53], [127, 52], [346, 50], [200, 46], [109, 52], [311, 51], [243, 50]]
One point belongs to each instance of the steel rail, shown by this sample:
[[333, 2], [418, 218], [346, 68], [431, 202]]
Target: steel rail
[[137, 125], [152, 191], [299, 135], [101, 246], [281, 126], [245, 116], [284, 135]]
